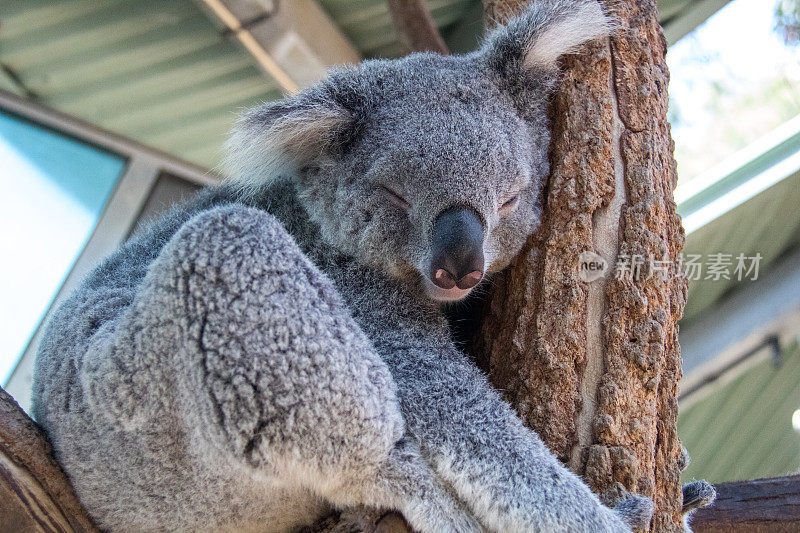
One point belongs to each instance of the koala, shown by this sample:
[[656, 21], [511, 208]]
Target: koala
[[697, 494], [277, 347]]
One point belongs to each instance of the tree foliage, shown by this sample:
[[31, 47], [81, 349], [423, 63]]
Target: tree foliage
[[787, 20]]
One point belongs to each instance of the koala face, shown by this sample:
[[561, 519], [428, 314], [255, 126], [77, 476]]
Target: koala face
[[429, 167], [442, 180]]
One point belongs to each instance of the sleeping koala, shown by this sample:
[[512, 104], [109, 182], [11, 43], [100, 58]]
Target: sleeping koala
[[276, 347]]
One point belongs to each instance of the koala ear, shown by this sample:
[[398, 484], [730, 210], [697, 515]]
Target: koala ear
[[277, 139], [530, 45]]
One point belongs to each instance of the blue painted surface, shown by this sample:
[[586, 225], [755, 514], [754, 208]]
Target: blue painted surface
[[52, 192], [84, 172]]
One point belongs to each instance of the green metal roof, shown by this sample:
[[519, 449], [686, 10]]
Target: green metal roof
[[748, 204], [679, 17], [368, 24], [744, 429], [160, 72]]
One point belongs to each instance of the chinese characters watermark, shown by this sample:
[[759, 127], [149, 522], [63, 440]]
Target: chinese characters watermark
[[693, 267]]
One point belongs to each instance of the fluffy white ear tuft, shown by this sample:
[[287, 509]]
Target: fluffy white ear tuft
[[569, 29], [545, 30], [276, 140]]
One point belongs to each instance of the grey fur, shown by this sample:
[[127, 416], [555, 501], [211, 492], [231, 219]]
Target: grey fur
[[270, 349], [696, 494]]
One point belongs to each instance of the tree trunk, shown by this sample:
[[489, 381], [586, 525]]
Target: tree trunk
[[415, 26], [757, 506], [593, 366]]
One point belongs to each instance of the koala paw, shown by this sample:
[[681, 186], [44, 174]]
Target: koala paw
[[636, 511], [698, 494]]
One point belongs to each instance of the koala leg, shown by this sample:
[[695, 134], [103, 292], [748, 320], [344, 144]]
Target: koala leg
[[696, 494], [268, 373], [502, 470]]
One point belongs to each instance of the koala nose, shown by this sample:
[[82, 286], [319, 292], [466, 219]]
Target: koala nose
[[457, 249]]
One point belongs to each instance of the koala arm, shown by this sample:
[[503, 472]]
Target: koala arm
[[477, 444]]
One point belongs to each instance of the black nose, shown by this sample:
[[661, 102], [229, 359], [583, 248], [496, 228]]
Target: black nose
[[457, 246]]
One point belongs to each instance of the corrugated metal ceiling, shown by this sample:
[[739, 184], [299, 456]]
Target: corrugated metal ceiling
[[767, 224], [744, 429], [161, 73], [158, 72], [368, 25], [669, 9]]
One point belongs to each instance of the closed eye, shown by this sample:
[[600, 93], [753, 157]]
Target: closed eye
[[509, 205], [396, 198]]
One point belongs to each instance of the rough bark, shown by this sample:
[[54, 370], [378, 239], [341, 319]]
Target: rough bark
[[593, 367], [415, 27], [757, 506], [35, 494]]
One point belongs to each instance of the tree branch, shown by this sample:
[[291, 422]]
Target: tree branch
[[415, 26], [593, 366], [35, 494], [497, 12]]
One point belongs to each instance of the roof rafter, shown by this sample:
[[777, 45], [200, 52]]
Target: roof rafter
[[295, 42]]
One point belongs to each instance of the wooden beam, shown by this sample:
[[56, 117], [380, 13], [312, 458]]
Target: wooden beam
[[758, 506], [295, 42], [415, 26]]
